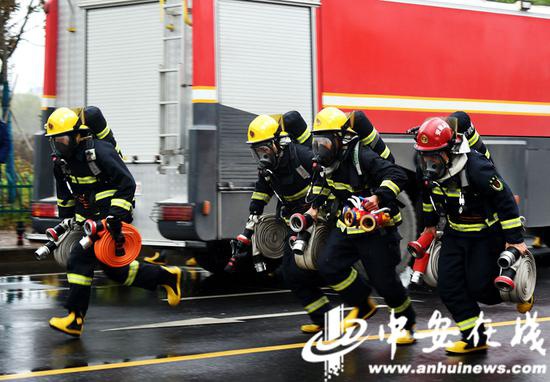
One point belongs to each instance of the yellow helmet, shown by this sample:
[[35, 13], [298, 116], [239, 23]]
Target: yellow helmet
[[263, 128], [62, 121], [329, 119]]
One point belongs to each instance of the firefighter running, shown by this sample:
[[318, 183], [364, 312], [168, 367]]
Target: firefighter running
[[93, 182], [348, 168], [482, 220], [284, 171]]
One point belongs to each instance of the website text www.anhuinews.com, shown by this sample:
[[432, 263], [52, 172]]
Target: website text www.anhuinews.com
[[459, 368]]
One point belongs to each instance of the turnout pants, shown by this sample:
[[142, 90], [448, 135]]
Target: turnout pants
[[80, 273], [379, 252], [306, 286], [467, 270]]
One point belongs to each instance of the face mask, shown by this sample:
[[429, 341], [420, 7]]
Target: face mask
[[433, 166], [266, 156], [64, 145], [325, 150]]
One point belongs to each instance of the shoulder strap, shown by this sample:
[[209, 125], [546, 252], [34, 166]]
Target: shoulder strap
[[356, 161]]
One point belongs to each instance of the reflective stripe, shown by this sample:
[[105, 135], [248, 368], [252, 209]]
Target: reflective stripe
[[304, 137], [79, 218], [403, 306], [297, 195], [473, 140], [488, 154], [74, 278], [396, 219], [122, 204], [104, 194], [68, 203], [347, 282], [466, 227], [317, 190], [341, 186], [512, 223], [368, 140], [83, 180], [261, 196], [427, 207], [132, 272], [316, 304], [349, 230], [439, 191], [467, 324], [104, 132], [492, 221], [386, 153], [391, 185]]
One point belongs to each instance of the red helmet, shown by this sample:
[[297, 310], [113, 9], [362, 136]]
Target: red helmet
[[434, 134]]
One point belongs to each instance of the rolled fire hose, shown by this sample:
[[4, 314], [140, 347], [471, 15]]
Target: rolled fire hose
[[104, 247], [525, 280], [319, 236], [269, 237], [431, 275], [66, 244]]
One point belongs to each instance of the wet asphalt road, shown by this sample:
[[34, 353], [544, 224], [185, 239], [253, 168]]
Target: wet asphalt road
[[225, 329]]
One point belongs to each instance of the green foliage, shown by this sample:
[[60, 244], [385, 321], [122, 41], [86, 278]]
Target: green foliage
[[535, 2]]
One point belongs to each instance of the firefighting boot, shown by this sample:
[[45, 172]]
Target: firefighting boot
[[71, 324], [173, 285], [526, 306], [157, 259], [407, 338], [467, 346], [363, 313], [311, 328]]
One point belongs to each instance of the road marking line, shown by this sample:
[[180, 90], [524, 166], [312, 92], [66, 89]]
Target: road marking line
[[200, 356]]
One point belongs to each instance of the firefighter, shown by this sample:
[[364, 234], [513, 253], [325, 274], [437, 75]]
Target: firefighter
[[482, 219], [351, 168], [93, 182], [465, 127], [284, 171]]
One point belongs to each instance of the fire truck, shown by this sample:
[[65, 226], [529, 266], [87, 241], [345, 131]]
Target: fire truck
[[179, 82]]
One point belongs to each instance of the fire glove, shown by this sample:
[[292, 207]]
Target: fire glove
[[114, 226]]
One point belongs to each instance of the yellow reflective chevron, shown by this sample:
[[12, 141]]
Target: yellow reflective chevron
[[402, 307], [475, 227], [300, 194], [104, 194], [104, 133], [317, 190], [467, 324], [79, 218], [261, 196], [396, 219], [316, 304], [346, 283], [488, 154], [446, 192], [427, 207], [304, 137], [473, 140], [83, 179], [511, 223], [74, 278], [391, 185], [492, 221], [132, 272], [386, 153], [124, 204], [371, 137], [68, 203]]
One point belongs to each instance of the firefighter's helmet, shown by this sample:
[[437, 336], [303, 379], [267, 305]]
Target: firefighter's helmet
[[264, 128], [63, 121], [329, 119], [434, 134]]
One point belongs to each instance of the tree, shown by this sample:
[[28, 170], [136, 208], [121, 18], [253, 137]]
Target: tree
[[13, 21]]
